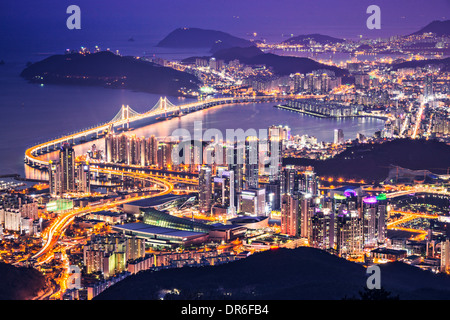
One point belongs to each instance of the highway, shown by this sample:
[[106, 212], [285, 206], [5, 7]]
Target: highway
[[51, 234], [408, 216]]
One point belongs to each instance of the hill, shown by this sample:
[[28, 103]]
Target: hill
[[444, 63], [281, 65], [284, 274], [202, 38], [372, 162], [19, 283], [110, 70], [440, 28], [318, 38]]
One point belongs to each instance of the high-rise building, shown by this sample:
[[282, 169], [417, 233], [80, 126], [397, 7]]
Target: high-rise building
[[253, 202], [67, 165], [323, 230], [273, 195], [350, 237], [135, 248], [299, 179], [235, 161], [445, 256], [83, 178], [105, 254], [428, 87], [204, 189], [251, 162], [308, 182], [152, 151], [338, 136], [223, 189], [307, 210], [275, 139], [290, 214], [374, 214]]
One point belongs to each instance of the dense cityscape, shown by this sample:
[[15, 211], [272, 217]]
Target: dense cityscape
[[104, 204]]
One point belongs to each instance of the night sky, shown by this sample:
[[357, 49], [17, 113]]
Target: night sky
[[30, 23]]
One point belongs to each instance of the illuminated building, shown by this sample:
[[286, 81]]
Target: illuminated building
[[428, 87], [235, 161], [289, 180], [53, 172], [253, 202], [445, 256], [323, 229], [349, 235], [164, 154], [275, 152], [62, 173], [308, 182], [204, 189], [163, 237], [251, 162], [223, 190], [152, 151], [83, 178], [374, 213], [105, 254], [338, 136], [289, 214], [307, 210], [273, 195], [299, 179], [135, 248], [299, 82], [67, 171], [12, 219]]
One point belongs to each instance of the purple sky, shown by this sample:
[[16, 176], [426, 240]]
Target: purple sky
[[30, 20]]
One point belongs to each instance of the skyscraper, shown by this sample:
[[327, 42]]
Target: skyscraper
[[253, 202], [289, 214], [223, 190], [275, 152], [251, 162], [204, 189], [428, 87], [235, 161], [338, 136], [83, 178], [67, 171]]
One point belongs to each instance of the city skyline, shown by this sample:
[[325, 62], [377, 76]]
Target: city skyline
[[225, 151]]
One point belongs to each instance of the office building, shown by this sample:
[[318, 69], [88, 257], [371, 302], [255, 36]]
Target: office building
[[290, 214], [204, 189], [338, 136], [253, 202]]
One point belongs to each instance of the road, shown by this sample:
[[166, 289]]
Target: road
[[408, 216], [60, 224]]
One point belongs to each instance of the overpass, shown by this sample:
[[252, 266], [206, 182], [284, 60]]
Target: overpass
[[162, 110]]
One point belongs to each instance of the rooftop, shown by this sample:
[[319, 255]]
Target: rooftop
[[154, 230]]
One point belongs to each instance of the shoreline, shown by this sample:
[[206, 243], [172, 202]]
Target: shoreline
[[319, 115]]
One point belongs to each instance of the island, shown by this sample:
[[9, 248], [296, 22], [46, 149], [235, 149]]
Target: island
[[110, 70], [202, 38], [306, 39]]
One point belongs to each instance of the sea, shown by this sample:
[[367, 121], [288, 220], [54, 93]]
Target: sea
[[35, 113]]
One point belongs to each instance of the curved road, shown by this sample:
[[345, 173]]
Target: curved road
[[59, 225]]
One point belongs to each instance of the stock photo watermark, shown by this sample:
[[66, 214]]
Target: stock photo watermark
[[238, 146]]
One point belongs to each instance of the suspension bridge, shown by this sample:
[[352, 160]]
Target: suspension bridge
[[162, 110]]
